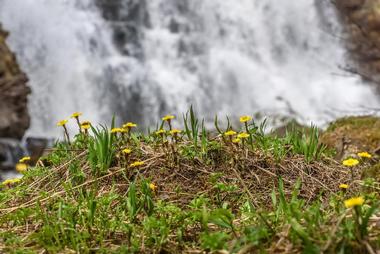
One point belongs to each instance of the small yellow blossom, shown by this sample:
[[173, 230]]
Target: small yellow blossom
[[129, 125], [230, 133], [357, 201], [244, 119], [124, 130], [136, 164], [236, 140], [168, 118], [117, 130], [365, 155], [153, 187], [85, 125], [127, 151], [21, 167], [175, 132], [343, 186], [243, 135], [160, 132], [9, 182], [24, 159], [76, 115], [350, 162], [62, 122]]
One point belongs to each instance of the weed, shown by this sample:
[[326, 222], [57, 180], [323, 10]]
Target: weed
[[306, 144], [101, 150]]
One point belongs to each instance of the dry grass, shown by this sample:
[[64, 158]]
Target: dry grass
[[179, 180]]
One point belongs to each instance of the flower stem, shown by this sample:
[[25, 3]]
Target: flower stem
[[67, 134], [250, 134], [78, 122]]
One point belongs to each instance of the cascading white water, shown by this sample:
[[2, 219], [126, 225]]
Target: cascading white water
[[57, 44], [223, 56]]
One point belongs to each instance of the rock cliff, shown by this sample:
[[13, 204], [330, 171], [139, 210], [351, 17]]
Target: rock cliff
[[362, 20], [14, 117]]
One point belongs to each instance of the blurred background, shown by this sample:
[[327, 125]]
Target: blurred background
[[309, 60]]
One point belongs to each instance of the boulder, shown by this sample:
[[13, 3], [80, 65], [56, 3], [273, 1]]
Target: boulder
[[14, 116]]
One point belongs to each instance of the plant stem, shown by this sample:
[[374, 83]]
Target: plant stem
[[67, 134]]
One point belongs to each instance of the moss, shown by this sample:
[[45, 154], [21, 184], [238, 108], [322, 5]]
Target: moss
[[355, 122], [360, 131]]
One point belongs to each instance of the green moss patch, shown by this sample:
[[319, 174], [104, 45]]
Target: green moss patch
[[362, 132]]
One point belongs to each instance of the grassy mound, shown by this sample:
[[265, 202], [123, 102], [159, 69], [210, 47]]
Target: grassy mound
[[353, 134], [190, 191]]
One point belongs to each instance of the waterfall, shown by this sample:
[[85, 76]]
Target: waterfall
[[140, 59]]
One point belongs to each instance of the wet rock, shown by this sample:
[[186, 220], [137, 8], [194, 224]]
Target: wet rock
[[36, 147], [11, 151], [14, 117]]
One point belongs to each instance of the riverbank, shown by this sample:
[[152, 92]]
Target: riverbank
[[237, 190]]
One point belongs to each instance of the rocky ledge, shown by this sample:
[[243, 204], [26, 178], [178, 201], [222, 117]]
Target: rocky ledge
[[14, 116]]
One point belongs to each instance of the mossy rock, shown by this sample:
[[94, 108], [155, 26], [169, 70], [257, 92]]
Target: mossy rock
[[353, 134]]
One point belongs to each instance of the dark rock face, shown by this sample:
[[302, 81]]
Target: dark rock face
[[362, 20], [14, 117]]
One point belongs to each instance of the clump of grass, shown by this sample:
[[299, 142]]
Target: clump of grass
[[193, 191], [306, 144], [101, 150]]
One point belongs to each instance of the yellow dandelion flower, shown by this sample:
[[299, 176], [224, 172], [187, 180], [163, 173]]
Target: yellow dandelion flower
[[24, 159], [127, 151], [168, 118], [21, 167], [244, 119], [175, 132], [62, 122], [236, 140], [365, 155], [136, 164], [117, 130], [343, 186], [230, 133], [11, 181], [76, 115], [124, 130], [129, 125], [243, 135], [153, 187], [350, 162], [160, 132], [7, 182], [357, 201], [85, 125]]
